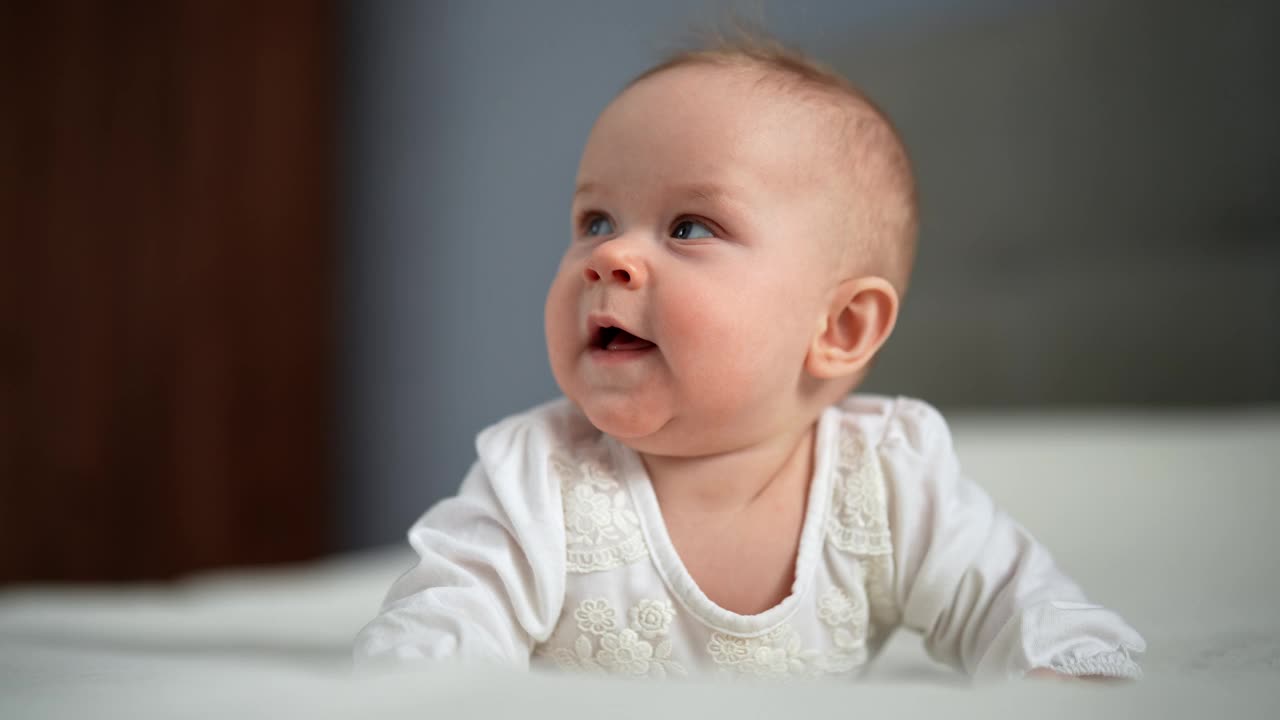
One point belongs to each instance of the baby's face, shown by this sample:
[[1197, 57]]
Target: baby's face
[[700, 266]]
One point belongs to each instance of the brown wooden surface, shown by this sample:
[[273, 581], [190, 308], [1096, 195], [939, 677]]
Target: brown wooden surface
[[166, 260]]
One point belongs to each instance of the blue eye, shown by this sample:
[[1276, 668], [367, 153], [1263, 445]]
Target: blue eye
[[599, 225], [691, 230]]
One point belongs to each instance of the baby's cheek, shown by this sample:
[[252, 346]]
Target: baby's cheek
[[719, 347], [696, 324], [560, 314]]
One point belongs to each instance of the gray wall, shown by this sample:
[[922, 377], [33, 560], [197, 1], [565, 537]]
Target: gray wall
[[1099, 218], [1101, 204]]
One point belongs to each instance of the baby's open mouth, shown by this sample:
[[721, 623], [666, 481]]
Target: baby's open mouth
[[615, 338]]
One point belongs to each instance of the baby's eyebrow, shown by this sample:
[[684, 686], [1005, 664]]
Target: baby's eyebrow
[[713, 193], [706, 192], [586, 187]]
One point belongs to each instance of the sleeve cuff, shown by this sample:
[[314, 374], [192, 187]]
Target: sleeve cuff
[[1115, 664], [1069, 638]]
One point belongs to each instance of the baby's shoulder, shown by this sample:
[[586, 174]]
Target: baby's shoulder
[[890, 419], [554, 427]]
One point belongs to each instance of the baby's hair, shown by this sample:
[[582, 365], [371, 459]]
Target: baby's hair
[[882, 168], [748, 46]]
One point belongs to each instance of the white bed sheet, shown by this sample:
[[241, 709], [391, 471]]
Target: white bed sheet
[[1169, 519]]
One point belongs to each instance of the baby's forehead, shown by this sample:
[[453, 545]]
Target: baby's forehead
[[745, 104], [767, 89], [831, 118]]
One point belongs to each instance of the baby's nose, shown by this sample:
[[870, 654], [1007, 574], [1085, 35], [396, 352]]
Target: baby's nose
[[611, 263], [622, 275]]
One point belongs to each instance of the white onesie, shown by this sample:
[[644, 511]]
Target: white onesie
[[554, 551]]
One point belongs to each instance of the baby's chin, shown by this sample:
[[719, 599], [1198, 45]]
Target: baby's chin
[[629, 422], [647, 433], [623, 425]]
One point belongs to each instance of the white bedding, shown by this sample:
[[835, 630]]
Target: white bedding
[[1169, 519]]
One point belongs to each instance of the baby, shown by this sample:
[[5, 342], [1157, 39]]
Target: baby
[[709, 497]]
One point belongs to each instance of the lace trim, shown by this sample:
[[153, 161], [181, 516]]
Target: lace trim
[[779, 655], [858, 523], [585, 561], [642, 648], [1116, 663], [602, 530], [877, 571], [858, 520], [776, 654]]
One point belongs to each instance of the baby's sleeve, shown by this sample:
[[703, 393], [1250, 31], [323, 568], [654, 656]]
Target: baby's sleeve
[[986, 596], [489, 581]]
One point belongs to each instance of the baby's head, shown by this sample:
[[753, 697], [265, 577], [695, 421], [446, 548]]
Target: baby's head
[[743, 230]]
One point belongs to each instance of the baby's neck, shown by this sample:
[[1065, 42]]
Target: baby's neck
[[734, 480]]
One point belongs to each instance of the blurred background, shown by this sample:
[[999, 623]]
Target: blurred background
[[267, 268]]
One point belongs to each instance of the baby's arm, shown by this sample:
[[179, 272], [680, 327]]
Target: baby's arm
[[489, 582], [987, 597]]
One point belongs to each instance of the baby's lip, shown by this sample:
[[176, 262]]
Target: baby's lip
[[598, 323]]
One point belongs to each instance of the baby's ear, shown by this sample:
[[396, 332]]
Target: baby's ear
[[859, 319]]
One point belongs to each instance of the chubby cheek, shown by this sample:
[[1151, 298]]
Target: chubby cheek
[[736, 345], [560, 317]]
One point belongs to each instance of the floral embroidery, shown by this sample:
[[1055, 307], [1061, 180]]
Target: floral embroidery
[[595, 617], [846, 615], [858, 521], [836, 608], [652, 618], [776, 654], [625, 653], [602, 531], [622, 652], [729, 650], [586, 512]]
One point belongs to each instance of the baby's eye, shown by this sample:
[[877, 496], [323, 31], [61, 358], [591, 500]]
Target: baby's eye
[[691, 230], [598, 225]]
